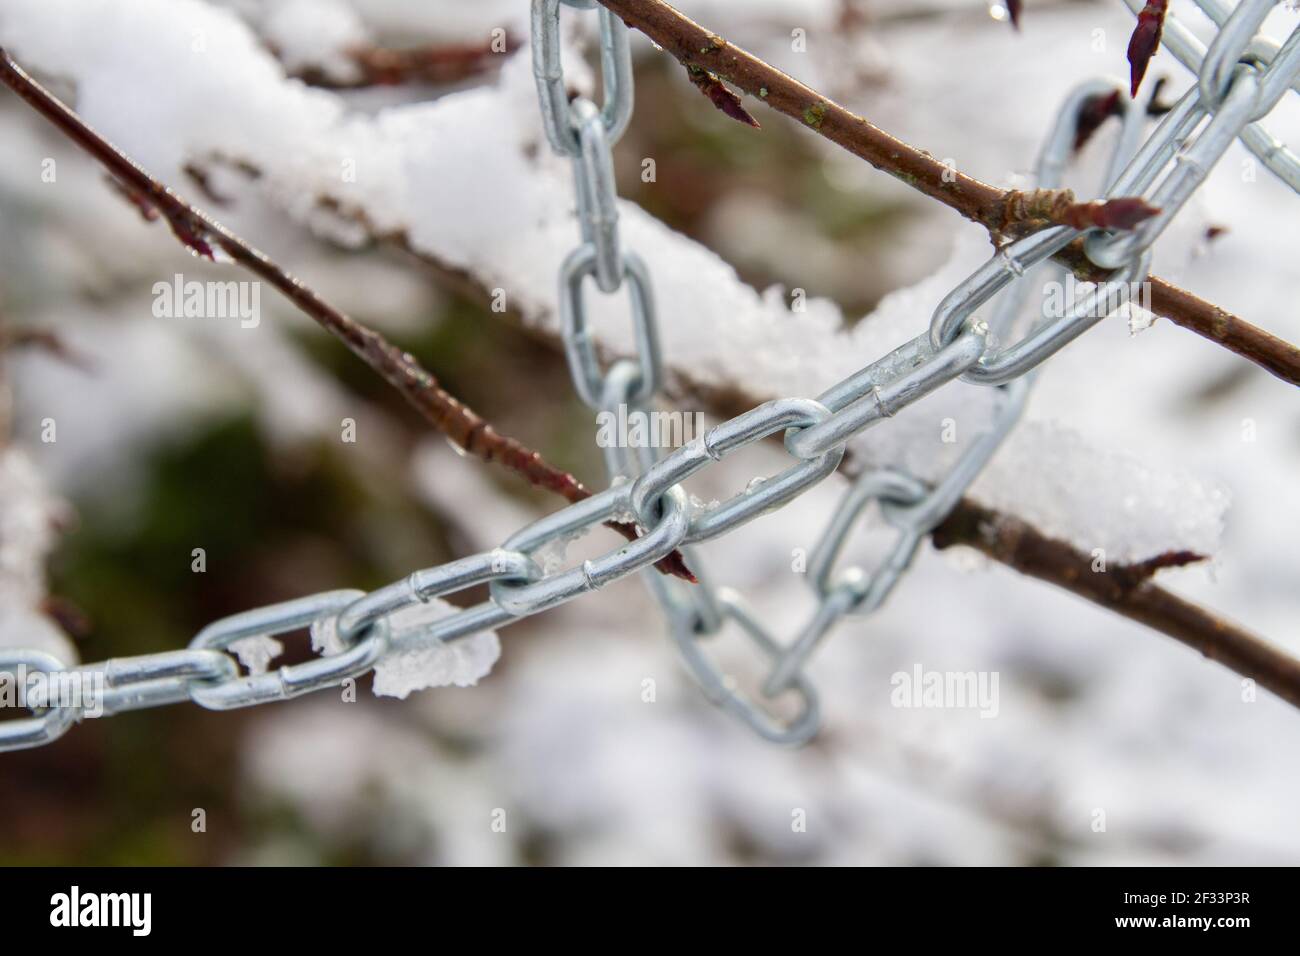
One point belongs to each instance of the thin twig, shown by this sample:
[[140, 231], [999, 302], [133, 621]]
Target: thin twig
[[697, 48], [1191, 312], [1127, 590], [395, 66], [465, 427]]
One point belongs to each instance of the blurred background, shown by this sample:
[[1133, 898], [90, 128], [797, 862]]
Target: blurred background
[[175, 434]]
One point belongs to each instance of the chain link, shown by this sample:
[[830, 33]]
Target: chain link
[[1240, 78]]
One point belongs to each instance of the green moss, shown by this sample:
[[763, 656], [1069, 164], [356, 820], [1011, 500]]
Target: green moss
[[715, 44], [814, 114]]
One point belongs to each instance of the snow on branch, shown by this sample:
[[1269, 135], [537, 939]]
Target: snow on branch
[[468, 182]]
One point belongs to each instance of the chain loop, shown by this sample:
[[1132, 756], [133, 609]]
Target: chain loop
[[593, 173], [424, 585], [295, 679], [47, 724], [667, 531], [693, 607], [579, 346], [886, 387], [762, 495], [720, 690], [548, 70], [1190, 168], [908, 505]]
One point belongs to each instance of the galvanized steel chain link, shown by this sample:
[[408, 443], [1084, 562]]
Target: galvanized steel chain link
[[1241, 76]]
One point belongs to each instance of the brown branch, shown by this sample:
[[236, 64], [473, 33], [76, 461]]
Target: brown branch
[[45, 341], [465, 427], [431, 64], [1191, 312], [722, 98], [1127, 590], [697, 48]]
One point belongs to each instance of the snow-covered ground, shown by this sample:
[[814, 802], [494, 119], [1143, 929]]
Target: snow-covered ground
[[1110, 743]]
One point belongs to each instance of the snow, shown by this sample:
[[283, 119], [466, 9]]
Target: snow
[[29, 522], [415, 664], [315, 33], [257, 652], [1117, 452], [419, 168]]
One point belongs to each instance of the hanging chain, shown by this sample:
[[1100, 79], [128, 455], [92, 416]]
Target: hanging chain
[[1240, 78]]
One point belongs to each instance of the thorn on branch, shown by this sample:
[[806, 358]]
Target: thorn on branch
[[185, 226], [720, 96], [1132, 575], [147, 210], [1144, 43]]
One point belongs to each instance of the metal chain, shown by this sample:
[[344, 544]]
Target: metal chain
[[1255, 47], [1240, 78]]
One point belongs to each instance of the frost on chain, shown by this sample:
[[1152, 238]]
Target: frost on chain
[[415, 665], [257, 652]]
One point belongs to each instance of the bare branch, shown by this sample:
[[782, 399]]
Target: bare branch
[[1127, 590], [465, 427], [394, 66]]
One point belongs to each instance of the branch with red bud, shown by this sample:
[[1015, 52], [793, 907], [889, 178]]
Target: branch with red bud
[[1058, 206], [720, 96]]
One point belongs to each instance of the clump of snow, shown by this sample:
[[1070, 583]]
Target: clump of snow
[[29, 520], [29, 629], [325, 638], [415, 664], [315, 33], [257, 652]]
